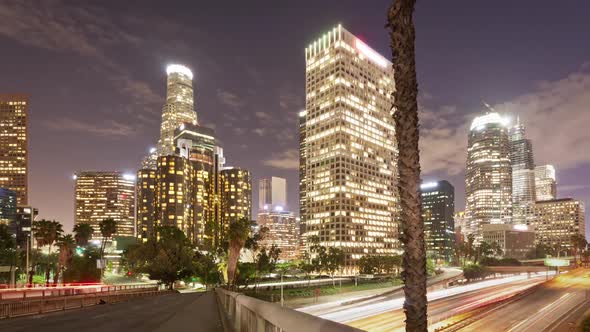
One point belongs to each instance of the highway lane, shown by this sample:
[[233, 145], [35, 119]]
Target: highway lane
[[442, 308], [171, 312], [543, 310], [359, 311]]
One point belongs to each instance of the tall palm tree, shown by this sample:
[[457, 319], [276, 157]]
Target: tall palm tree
[[108, 227], [66, 245], [579, 244], [83, 233], [405, 106], [238, 233], [46, 232]]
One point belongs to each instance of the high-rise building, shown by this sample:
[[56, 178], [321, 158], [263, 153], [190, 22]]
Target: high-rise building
[[545, 183], [460, 226], [236, 195], [146, 203], [8, 209], [438, 210], [349, 145], [151, 160], [523, 175], [14, 151], [25, 215], [272, 194], [282, 232], [174, 194], [302, 179], [557, 220], [516, 241], [488, 178], [103, 195], [179, 107]]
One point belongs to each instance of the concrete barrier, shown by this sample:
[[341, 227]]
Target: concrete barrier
[[247, 314]]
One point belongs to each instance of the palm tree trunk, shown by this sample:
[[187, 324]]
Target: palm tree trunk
[[402, 34]]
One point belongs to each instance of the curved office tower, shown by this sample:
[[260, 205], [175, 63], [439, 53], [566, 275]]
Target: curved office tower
[[488, 178], [523, 175], [179, 107]]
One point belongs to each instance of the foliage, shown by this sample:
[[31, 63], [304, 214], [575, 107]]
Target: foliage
[[387, 264], [83, 233], [66, 245], [7, 246], [474, 271], [246, 274], [430, 267], [492, 261], [108, 227], [205, 269], [46, 232], [83, 268], [166, 259], [238, 233], [540, 251]]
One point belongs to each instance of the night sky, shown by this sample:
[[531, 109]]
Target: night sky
[[95, 73]]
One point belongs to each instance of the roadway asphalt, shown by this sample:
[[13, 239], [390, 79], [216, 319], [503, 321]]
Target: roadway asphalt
[[551, 308], [171, 312], [440, 307]]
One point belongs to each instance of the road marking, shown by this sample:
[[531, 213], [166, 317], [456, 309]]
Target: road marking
[[539, 314], [567, 315]]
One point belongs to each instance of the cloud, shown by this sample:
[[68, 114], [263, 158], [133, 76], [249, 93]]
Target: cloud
[[262, 115], [109, 128], [573, 187], [259, 131], [288, 159], [230, 99]]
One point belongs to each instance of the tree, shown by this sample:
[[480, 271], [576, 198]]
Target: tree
[[205, 268], [46, 232], [83, 268], [334, 261], [108, 227], [66, 245], [168, 258], [238, 233], [579, 244], [83, 233], [7, 248], [405, 112]]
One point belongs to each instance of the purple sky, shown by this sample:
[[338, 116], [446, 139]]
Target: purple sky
[[96, 79]]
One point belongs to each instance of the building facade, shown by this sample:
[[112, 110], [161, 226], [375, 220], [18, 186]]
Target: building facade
[[488, 178], [103, 195], [302, 178], [8, 209], [14, 150], [25, 215], [438, 210], [545, 183], [146, 203], [349, 148], [179, 107], [556, 221], [523, 175], [282, 232], [236, 196], [516, 241], [272, 194]]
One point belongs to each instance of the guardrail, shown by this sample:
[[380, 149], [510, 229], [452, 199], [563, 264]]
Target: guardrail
[[11, 309], [44, 292], [247, 314]]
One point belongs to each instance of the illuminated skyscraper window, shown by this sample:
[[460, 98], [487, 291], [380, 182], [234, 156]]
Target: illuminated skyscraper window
[[14, 151]]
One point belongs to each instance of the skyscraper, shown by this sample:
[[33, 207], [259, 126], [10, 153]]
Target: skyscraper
[[282, 232], [545, 183], [14, 150], [302, 178], [488, 178], [351, 199], [179, 107], [8, 209], [438, 210], [146, 203], [236, 195], [272, 193], [523, 175], [103, 195]]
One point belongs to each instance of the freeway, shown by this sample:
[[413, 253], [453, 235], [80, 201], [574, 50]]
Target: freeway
[[171, 312], [547, 309], [386, 315]]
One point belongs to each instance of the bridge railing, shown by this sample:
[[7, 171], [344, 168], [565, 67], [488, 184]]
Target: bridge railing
[[69, 290], [247, 314]]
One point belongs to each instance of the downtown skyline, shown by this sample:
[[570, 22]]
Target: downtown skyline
[[75, 124]]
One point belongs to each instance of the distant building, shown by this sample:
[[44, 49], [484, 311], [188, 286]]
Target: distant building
[[14, 150], [302, 179], [347, 139], [102, 195], [25, 215], [438, 209], [272, 194], [488, 177], [282, 232], [460, 226], [236, 195], [146, 203], [151, 160], [556, 221], [8, 209], [545, 183], [179, 107], [516, 241], [523, 175]]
